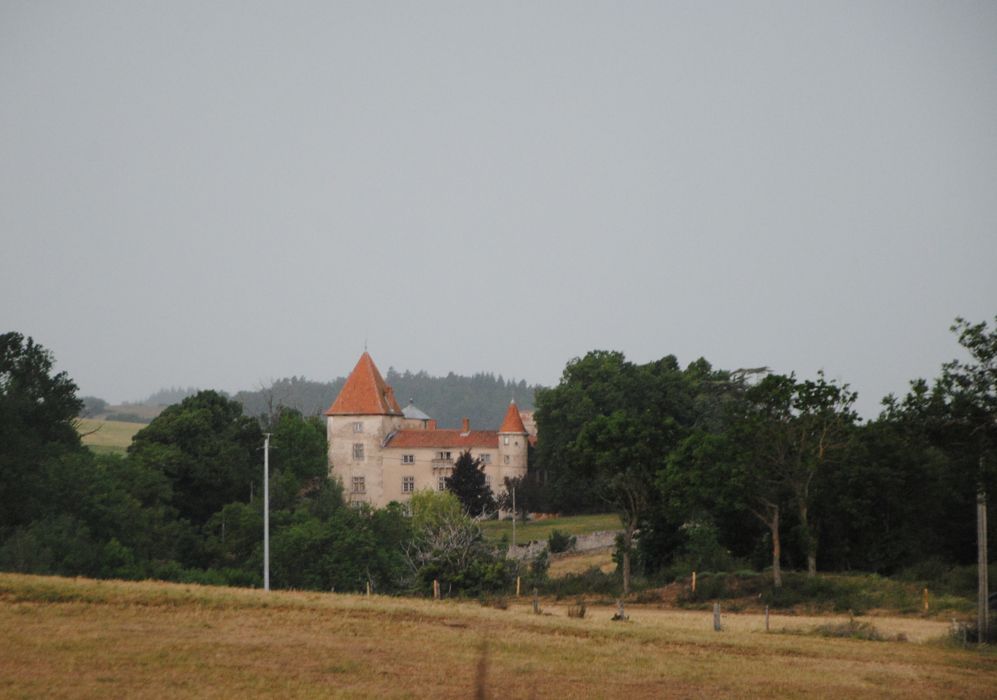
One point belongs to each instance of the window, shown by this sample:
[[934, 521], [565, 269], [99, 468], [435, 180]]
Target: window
[[358, 451], [444, 456], [358, 427], [408, 459], [442, 483], [486, 458], [488, 480], [359, 485], [506, 459], [408, 484], [506, 440]]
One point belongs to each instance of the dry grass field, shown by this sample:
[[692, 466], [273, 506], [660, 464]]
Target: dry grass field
[[67, 638], [580, 562], [107, 435]]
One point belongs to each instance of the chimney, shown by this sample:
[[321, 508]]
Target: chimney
[[432, 424], [465, 425]]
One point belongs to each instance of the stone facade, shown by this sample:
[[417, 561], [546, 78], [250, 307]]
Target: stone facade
[[383, 454]]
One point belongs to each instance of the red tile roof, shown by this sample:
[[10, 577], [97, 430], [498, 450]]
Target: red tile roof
[[512, 423], [444, 438], [365, 393]]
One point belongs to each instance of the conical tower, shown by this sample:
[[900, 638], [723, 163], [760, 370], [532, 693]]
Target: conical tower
[[357, 425], [513, 445]]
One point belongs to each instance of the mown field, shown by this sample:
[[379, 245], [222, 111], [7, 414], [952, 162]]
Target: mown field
[[541, 529], [67, 638], [107, 435]]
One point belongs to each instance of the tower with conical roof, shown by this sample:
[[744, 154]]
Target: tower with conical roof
[[512, 445], [358, 423]]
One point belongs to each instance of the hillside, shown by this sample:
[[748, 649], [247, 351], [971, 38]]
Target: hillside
[[107, 435], [482, 398], [82, 638]]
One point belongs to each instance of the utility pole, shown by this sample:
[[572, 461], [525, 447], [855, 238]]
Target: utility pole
[[514, 517], [266, 513], [983, 603]]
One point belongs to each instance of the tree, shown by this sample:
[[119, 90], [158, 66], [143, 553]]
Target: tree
[[717, 473], [208, 450], [530, 495], [589, 387], [796, 429], [298, 455], [92, 406], [970, 389], [468, 483], [38, 409], [448, 546], [626, 462]]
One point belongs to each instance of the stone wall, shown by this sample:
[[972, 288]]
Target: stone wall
[[583, 543]]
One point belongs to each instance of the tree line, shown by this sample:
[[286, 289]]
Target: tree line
[[482, 397], [185, 503], [710, 469], [717, 468]]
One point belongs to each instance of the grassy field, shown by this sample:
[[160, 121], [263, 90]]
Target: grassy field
[[107, 435], [579, 563], [68, 638], [541, 529]]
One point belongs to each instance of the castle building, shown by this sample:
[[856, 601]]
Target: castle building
[[382, 453]]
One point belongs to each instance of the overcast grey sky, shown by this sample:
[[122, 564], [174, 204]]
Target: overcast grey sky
[[219, 194]]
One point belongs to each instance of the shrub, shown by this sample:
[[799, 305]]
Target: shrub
[[559, 542]]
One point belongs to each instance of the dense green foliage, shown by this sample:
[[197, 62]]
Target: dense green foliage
[[468, 483], [707, 469], [185, 502], [448, 546], [748, 469]]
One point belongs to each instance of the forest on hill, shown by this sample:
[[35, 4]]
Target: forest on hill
[[482, 397]]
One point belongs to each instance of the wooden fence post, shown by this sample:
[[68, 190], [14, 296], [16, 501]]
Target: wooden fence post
[[693, 581], [766, 618], [716, 617]]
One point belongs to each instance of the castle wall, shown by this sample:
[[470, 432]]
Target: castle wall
[[425, 468], [355, 453]]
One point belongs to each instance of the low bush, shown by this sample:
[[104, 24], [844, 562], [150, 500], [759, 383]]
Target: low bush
[[558, 542]]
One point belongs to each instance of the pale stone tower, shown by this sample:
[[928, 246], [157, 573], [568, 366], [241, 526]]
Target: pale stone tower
[[358, 423], [512, 445]]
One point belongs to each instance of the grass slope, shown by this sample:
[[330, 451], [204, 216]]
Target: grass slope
[[82, 638], [541, 529], [107, 435]]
